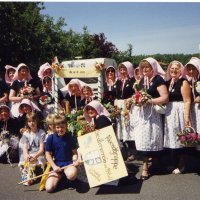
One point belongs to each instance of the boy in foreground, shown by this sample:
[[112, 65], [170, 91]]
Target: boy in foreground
[[61, 151]]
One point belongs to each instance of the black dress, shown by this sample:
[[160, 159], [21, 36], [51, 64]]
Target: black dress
[[74, 101], [101, 122], [109, 95], [3, 88], [127, 91], [17, 85]]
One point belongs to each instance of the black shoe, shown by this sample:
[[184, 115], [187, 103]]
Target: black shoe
[[71, 185], [144, 178]]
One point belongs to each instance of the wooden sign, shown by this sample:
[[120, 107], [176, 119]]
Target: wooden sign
[[102, 156]]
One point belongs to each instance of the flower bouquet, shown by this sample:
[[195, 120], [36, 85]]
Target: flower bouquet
[[188, 137], [45, 99], [197, 87], [77, 124], [26, 91], [140, 98], [113, 110]]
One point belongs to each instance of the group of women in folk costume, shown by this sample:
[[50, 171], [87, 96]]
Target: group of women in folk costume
[[151, 131], [138, 127]]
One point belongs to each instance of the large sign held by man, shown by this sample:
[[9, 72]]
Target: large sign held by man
[[102, 156]]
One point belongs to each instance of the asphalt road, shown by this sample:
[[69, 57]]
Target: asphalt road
[[158, 187]]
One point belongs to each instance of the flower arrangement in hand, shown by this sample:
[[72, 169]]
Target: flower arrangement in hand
[[140, 98], [77, 124], [113, 110], [99, 67], [45, 99], [26, 91], [197, 87], [188, 137]]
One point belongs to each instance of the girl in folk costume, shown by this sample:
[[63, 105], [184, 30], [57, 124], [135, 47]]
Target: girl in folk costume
[[33, 142], [26, 106], [22, 87], [46, 100], [148, 126], [45, 70], [9, 74], [192, 73], [110, 88], [125, 90], [177, 115], [96, 114], [9, 137], [73, 95], [87, 95]]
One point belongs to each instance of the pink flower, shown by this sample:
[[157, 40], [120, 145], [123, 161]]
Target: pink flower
[[193, 136], [188, 137], [198, 137], [183, 138], [137, 96]]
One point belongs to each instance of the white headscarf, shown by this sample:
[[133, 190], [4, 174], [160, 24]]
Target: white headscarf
[[196, 63], [129, 67], [73, 81], [16, 75], [169, 76], [43, 68], [157, 70], [101, 110], [44, 89], [108, 81], [30, 103], [7, 79]]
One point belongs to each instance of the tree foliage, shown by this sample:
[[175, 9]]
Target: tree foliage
[[30, 37]]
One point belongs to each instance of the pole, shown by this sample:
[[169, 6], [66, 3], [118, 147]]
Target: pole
[[99, 85], [36, 177], [55, 91]]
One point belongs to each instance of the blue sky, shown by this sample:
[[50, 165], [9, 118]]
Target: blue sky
[[150, 27]]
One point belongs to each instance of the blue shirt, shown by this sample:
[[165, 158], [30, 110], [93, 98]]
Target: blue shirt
[[61, 147]]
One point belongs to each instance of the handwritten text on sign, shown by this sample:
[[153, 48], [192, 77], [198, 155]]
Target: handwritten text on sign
[[102, 157]]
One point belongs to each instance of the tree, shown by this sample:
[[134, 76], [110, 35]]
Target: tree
[[29, 37]]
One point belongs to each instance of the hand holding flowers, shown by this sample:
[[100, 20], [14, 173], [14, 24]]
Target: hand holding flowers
[[45, 99], [26, 91]]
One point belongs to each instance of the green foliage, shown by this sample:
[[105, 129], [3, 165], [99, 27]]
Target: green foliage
[[30, 37], [73, 124]]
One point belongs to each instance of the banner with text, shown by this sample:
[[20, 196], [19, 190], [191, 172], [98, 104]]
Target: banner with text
[[78, 69], [102, 156]]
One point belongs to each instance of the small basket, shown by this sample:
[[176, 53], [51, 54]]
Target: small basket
[[188, 137]]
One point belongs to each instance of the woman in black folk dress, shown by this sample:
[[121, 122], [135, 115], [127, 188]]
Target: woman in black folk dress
[[47, 101], [177, 115], [22, 80], [9, 74], [45, 70], [192, 73], [124, 90], [87, 96], [110, 87], [148, 124], [96, 114]]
